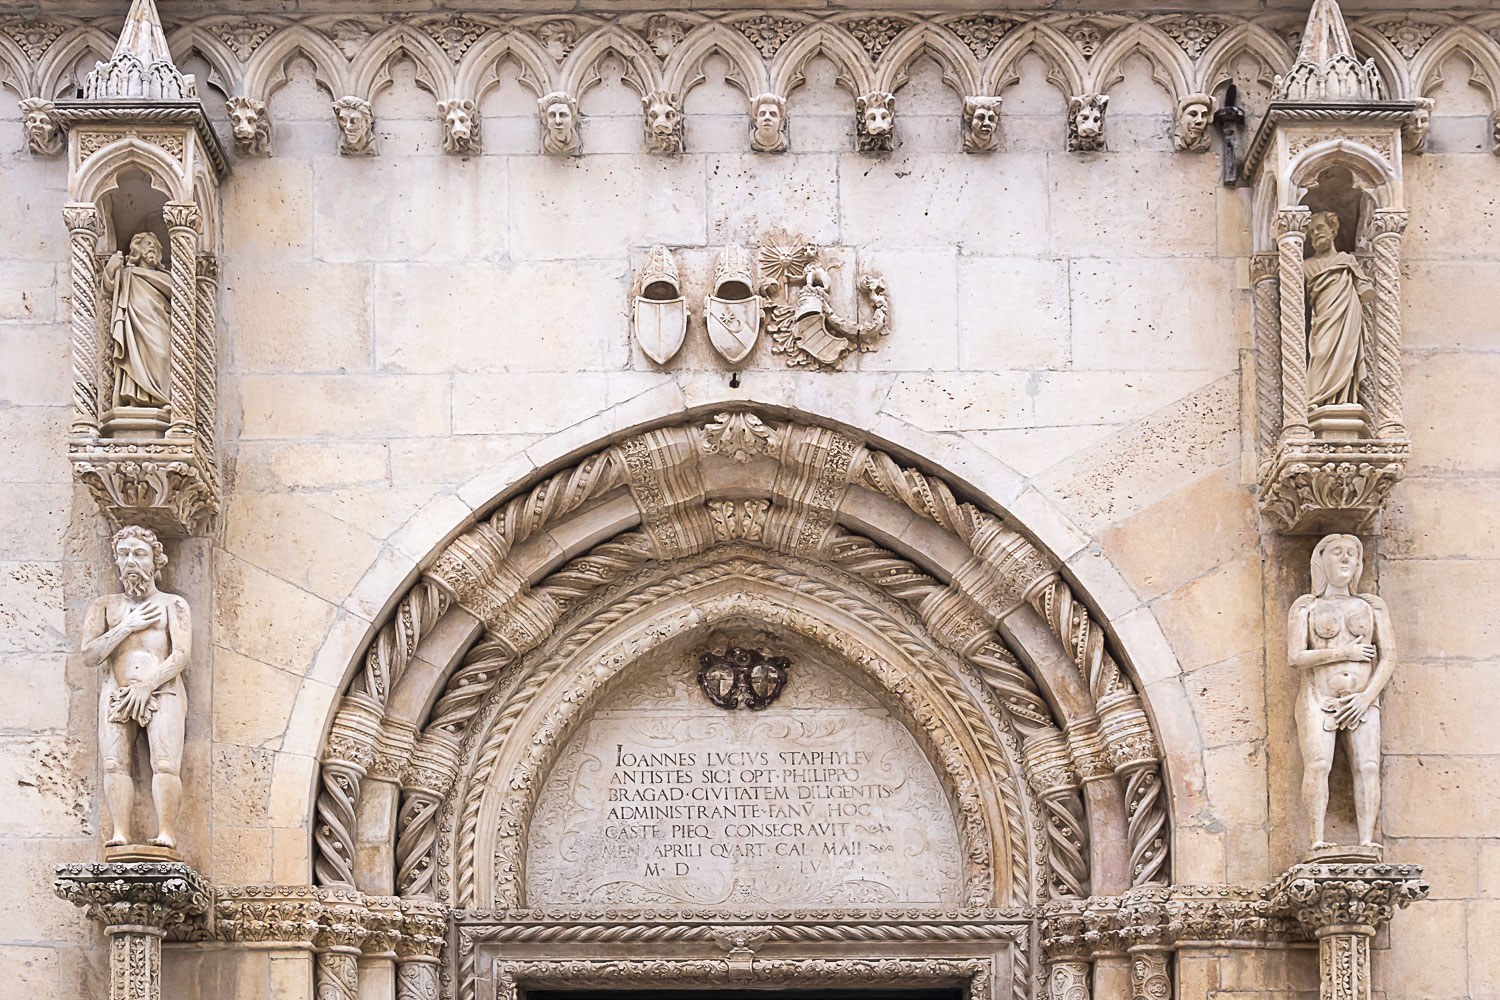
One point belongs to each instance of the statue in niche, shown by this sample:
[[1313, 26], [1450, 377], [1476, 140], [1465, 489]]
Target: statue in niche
[[1336, 289], [44, 133], [1194, 112], [559, 113], [356, 126], [140, 327], [143, 638], [1342, 644], [981, 124], [768, 124]]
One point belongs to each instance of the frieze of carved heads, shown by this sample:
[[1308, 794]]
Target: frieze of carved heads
[[1194, 113], [356, 121], [559, 114], [768, 124], [981, 124], [460, 126], [875, 122], [44, 133], [250, 123], [663, 122], [1086, 122]]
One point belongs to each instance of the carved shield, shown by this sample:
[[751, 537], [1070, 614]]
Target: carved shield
[[733, 325], [814, 338], [660, 326]]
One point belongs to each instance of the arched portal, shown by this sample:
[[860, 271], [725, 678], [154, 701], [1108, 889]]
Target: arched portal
[[945, 610]]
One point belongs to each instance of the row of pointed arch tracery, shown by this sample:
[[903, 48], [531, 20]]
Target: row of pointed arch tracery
[[460, 55], [491, 659]]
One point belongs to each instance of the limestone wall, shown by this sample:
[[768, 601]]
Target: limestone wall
[[393, 327]]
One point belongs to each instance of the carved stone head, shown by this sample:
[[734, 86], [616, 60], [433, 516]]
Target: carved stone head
[[557, 37], [1194, 112], [460, 126], [767, 124], [875, 121], [1322, 230], [663, 122], [44, 134], [145, 251], [559, 113], [356, 126], [664, 34], [981, 124], [1337, 562], [1414, 133], [139, 558], [1086, 122], [251, 125]]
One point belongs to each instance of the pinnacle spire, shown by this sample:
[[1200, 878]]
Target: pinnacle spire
[[141, 66], [1327, 68]]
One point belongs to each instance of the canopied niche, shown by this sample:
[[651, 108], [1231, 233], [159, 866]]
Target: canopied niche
[[821, 798]]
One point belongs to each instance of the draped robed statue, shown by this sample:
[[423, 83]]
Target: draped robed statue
[[140, 327], [1336, 289]]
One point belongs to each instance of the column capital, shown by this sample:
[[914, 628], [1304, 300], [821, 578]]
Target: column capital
[[1293, 219], [1346, 898], [153, 895], [83, 217], [1388, 222], [181, 215]]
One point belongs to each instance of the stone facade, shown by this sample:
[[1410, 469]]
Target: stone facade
[[790, 497]]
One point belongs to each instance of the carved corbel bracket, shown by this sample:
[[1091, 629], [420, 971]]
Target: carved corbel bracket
[[163, 485], [1316, 487]]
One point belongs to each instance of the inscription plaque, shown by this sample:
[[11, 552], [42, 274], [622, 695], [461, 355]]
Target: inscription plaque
[[823, 798]]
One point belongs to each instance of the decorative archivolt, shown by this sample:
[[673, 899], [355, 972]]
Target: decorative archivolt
[[683, 69], [789, 66], [1484, 62], [267, 66], [1214, 68], [1170, 65], [454, 666], [371, 71]]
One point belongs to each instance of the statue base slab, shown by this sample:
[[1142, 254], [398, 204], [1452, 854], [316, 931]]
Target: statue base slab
[[1354, 854], [126, 853], [135, 423], [1313, 486], [1339, 422]]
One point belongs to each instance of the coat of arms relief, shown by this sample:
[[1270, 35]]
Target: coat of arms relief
[[789, 288]]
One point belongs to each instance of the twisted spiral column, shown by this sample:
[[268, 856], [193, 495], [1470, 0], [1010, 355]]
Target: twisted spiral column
[[1390, 224], [1266, 319], [1291, 231], [208, 359], [349, 752], [183, 222], [85, 226]]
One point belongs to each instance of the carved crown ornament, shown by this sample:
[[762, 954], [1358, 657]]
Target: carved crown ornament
[[787, 289]]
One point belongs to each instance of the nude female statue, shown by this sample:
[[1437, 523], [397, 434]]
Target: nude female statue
[[1343, 645]]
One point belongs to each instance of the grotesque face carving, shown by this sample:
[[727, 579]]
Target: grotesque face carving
[[460, 126], [138, 559], [145, 251], [767, 114], [1322, 230], [663, 122], [664, 34], [356, 125], [981, 123], [1086, 122], [252, 127], [1193, 116], [875, 121], [39, 120], [560, 118]]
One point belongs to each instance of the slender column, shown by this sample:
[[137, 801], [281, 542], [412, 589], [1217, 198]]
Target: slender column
[[1068, 979], [207, 388], [1150, 973], [1291, 228], [1389, 225], [346, 760], [182, 234], [85, 226], [341, 931], [1065, 950], [1266, 313], [423, 926]]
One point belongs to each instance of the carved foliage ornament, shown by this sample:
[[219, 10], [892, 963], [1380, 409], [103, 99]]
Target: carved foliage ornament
[[739, 677]]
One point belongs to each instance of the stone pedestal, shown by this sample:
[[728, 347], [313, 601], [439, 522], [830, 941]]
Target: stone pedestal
[[1342, 905], [138, 902]]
